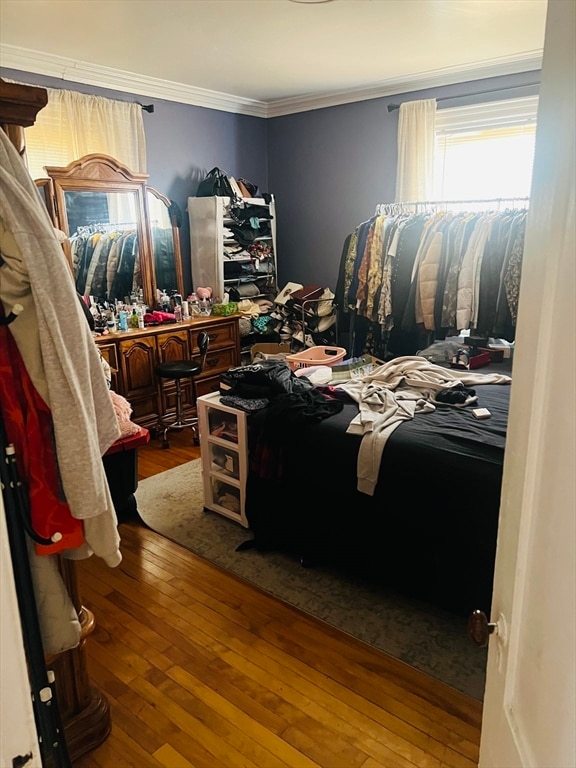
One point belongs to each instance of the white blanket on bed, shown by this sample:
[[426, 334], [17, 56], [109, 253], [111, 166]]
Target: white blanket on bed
[[393, 393]]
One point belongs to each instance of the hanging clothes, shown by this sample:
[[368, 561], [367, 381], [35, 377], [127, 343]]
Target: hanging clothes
[[28, 424], [415, 276], [105, 262], [59, 353]]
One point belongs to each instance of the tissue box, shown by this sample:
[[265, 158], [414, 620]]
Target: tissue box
[[225, 309]]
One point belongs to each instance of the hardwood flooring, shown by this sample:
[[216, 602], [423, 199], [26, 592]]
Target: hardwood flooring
[[152, 458], [202, 669]]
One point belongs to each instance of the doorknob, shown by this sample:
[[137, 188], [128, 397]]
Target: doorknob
[[479, 628]]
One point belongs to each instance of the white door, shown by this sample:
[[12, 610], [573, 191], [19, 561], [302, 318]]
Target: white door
[[530, 701], [18, 734]]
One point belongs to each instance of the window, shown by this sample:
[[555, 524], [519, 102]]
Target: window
[[74, 124], [485, 151]]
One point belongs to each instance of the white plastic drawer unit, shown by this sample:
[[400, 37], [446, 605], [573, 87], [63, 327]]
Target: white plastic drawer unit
[[224, 452]]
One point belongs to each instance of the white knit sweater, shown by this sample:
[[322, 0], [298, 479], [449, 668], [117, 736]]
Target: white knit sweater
[[68, 374]]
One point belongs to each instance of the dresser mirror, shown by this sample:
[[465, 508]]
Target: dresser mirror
[[122, 240], [165, 241]]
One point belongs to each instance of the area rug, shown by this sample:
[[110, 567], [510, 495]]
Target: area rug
[[427, 638]]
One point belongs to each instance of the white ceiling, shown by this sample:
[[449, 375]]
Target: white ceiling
[[269, 57]]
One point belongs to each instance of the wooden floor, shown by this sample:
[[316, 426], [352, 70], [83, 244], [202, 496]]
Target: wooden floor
[[152, 458], [201, 669]]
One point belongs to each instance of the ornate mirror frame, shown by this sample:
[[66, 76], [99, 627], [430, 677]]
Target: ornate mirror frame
[[103, 174], [155, 199]]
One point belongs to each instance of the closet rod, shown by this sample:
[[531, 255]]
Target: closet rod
[[392, 107], [380, 207], [462, 202]]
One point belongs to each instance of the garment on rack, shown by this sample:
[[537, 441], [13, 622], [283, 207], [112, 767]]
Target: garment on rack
[[59, 353], [106, 262], [125, 279], [434, 272]]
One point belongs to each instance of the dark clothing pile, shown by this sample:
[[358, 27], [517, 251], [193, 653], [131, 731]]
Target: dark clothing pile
[[290, 401]]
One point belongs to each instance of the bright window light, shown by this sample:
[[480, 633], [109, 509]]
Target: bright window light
[[485, 151]]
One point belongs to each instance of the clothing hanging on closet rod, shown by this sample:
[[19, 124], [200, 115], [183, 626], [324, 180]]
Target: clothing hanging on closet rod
[[105, 262], [104, 227], [420, 275], [499, 201]]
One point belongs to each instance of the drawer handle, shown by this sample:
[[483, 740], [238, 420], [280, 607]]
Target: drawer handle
[[213, 361], [213, 336]]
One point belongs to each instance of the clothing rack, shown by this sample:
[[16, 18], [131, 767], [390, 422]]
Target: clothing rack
[[402, 207], [380, 291], [104, 228]]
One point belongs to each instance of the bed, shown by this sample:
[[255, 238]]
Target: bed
[[430, 528]]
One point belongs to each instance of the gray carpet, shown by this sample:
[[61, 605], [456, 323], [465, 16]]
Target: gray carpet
[[423, 636]]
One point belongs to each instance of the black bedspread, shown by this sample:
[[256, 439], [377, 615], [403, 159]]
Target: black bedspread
[[430, 528]]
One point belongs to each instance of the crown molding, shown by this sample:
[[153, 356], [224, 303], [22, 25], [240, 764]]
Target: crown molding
[[509, 65], [61, 67], [73, 70]]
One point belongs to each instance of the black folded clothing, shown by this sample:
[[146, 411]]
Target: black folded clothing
[[456, 395]]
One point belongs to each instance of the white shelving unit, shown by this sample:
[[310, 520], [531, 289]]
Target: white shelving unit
[[224, 452], [209, 241]]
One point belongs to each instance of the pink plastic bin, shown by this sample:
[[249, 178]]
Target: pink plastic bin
[[316, 356]]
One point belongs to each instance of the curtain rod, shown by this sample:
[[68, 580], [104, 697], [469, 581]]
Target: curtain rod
[[147, 107], [392, 107]]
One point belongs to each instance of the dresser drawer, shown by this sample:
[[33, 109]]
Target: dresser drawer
[[221, 335], [218, 361], [109, 354], [173, 345]]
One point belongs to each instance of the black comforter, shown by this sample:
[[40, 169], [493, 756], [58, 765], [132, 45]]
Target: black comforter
[[430, 528]]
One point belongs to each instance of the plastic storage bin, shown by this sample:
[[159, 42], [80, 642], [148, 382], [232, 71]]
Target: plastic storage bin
[[316, 356]]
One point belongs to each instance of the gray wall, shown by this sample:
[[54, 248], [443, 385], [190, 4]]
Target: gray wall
[[328, 168]]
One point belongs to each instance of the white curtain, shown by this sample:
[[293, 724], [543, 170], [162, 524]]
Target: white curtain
[[73, 124], [416, 141]]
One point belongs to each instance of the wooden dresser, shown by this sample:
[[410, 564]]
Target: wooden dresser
[[133, 355]]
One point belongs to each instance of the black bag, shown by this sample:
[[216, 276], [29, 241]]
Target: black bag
[[251, 188], [215, 184]]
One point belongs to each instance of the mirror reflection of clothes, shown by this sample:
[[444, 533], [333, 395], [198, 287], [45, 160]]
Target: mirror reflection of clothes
[[96, 277], [163, 245], [106, 264], [123, 281]]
